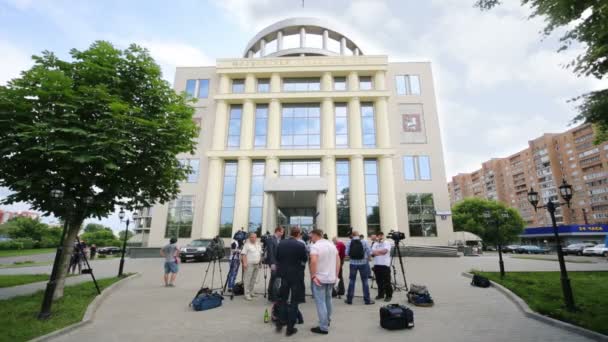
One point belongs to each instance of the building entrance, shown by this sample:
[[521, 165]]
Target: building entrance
[[304, 218]]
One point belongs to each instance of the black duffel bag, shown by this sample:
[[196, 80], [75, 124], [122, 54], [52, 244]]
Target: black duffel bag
[[480, 281], [396, 317], [238, 289]]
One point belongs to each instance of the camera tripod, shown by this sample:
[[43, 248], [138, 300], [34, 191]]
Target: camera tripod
[[215, 261], [397, 255], [235, 262], [87, 270]]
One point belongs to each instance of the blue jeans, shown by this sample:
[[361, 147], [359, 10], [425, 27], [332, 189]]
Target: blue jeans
[[352, 277], [322, 295]]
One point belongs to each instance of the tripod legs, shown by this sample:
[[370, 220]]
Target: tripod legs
[[84, 257], [397, 255]]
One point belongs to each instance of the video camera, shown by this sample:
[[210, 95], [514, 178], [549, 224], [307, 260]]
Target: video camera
[[240, 238], [264, 238], [396, 236], [215, 250]]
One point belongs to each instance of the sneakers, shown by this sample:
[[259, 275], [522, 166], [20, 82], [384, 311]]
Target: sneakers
[[371, 302], [248, 298], [317, 330]]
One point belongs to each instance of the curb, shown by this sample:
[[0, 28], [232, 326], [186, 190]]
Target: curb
[[525, 309], [89, 314]]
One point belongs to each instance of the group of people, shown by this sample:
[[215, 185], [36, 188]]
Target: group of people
[[80, 251], [287, 259]]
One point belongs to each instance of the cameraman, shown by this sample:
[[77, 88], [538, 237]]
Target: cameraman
[[272, 242], [381, 251], [240, 237]]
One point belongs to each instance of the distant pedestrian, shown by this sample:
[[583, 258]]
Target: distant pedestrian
[[324, 267], [381, 251], [358, 251], [341, 247], [171, 254], [76, 259], [93, 251], [251, 257], [272, 243]]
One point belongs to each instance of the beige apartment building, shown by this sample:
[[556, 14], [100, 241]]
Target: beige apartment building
[[306, 130], [548, 160]]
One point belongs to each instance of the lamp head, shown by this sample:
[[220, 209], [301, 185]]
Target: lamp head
[[121, 214]]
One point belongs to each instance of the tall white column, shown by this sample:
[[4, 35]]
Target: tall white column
[[358, 214], [243, 189], [327, 81], [262, 47], [388, 208], [250, 54], [279, 40], [325, 39], [273, 140], [355, 138], [343, 46], [382, 125], [328, 129], [302, 37], [275, 83], [270, 206], [353, 81], [224, 87], [380, 80], [220, 127], [249, 83], [331, 214], [213, 199], [357, 52], [247, 123], [321, 212]]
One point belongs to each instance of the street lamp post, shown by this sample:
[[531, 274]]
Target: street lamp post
[[47, 302], [565, 190], [121, 215], [505, 215]]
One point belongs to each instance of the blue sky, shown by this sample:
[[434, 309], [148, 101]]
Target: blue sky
[[499, 84]]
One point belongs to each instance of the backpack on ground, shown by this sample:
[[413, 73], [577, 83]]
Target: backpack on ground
[[396, 317], [206, 301], [356, 251], [480, 281], [238, 289], [419, 295]]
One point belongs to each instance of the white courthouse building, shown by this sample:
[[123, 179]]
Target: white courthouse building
[[306, 130]]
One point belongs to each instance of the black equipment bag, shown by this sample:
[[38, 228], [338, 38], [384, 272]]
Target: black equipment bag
[[238, 289], [480, 281], [396, 317], [356, 251]]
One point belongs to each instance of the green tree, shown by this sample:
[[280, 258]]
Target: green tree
[[40, 234], [101, 238], [121, 235], [585, 22], [468, 215], [94, 227], [103, 125]]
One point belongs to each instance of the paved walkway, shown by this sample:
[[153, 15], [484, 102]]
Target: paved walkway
[[143, 310]]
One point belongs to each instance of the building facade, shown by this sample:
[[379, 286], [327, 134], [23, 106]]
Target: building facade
[[571, 155], [305, 130]]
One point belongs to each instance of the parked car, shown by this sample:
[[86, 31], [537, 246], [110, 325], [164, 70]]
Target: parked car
[[202, 250], [108, 250], [531, 250], [509, 248], [600, 249], [577, 248]]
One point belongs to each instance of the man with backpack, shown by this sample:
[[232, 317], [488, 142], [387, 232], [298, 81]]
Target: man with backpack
[[358, 251]]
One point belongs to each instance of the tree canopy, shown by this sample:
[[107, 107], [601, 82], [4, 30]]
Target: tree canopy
[[101, 238], [25, 228], [585, 22], [103, 125], [468, 215]]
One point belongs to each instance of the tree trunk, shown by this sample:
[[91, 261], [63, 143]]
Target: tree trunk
[[68, 248]]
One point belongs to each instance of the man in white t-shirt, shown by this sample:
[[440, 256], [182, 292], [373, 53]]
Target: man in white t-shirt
[[381, 251], [324, 268], [251, 257]]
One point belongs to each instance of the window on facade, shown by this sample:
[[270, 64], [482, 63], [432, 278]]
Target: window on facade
[[368, 125], [193, 165], [342, 197], [302, 84], [190, 88], [341, 112], [408, 84], [339, 83], [301, 126], [238, 85], [179, 217], [365, 83], [421, 215], [234, 127], [263, 85], [256, 197], [228, 196], [203, 89], [416, 168], [300, 168], [372, 205], [261, 126]]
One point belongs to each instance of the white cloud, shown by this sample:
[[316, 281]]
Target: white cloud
[[13, 60]]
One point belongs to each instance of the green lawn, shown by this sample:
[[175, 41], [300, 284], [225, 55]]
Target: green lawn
[[18, 315], [542, 292], [553, 259], [21, 252], [8, 280], [27, 263]]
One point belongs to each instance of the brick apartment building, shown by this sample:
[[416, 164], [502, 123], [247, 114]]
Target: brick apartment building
[[571, 155], [7, 215]]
